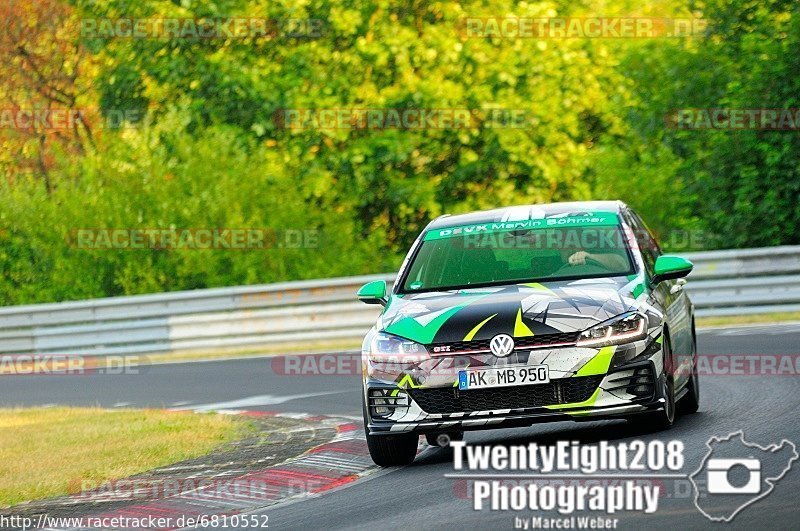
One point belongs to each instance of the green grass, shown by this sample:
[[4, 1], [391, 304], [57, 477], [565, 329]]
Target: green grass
[[45, 451], [748, 319]]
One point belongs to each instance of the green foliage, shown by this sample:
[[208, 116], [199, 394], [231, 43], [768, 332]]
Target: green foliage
[[216, 179], [742, 186], [392, 55], [212, 154]]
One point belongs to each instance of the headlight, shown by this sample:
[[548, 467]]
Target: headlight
[[621, 329], [389, 346]]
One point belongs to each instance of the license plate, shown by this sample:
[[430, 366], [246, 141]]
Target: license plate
[[503, 377]]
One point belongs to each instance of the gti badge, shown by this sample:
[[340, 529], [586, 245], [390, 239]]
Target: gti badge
[[501, 345]]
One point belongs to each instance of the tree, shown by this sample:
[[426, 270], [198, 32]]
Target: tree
[[42, 80]]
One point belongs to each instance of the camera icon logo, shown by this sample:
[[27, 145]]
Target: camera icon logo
[[719, 471], [736, 473]]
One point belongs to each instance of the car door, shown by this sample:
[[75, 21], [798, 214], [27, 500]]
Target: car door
[[671, 297]]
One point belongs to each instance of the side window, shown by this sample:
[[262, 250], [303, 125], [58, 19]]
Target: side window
[[653, 243], [644, 239]]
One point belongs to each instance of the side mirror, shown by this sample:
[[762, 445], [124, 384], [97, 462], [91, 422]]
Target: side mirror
[[669, 266], [373, 292]]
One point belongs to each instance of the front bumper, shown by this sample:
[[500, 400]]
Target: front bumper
[[515, 420], [625, 389]]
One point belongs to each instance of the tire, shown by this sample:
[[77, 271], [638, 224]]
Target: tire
[[691, 400], [664, 418], [390, 450], [454, 436]]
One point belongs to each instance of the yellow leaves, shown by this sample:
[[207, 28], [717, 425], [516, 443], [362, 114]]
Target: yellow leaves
[[345, 21], [468, 155]]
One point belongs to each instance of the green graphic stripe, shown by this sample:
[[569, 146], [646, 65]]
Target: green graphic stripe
[[599, 219], [637, 290], [474, 331], [589, 402], [539, 287], [599, 364], [410, 328], [520, 328]]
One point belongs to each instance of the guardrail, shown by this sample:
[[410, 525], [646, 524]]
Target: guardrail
[[313, 312]]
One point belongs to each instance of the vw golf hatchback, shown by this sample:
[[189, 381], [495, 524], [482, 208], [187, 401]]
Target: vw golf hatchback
[[527, 314]]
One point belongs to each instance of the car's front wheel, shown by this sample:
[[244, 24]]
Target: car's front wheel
[[690, 402], [390, 450], [663, 418]]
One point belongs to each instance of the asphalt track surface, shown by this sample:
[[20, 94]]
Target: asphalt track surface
[[766, 408]]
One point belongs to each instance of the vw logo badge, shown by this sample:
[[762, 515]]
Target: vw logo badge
[[501, 345]]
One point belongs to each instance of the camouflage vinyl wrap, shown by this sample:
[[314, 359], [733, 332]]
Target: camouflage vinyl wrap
[[525, 312]]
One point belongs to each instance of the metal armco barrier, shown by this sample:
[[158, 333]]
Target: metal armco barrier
[[731, 282]]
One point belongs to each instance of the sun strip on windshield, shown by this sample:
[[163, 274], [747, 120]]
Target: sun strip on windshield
[[598, 219]]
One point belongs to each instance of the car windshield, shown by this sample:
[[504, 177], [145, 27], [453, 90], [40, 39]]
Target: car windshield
[[515, 256]]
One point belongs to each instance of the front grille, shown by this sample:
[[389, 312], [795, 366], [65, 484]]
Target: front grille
[[445, 400], [536, 341], [546, 340]]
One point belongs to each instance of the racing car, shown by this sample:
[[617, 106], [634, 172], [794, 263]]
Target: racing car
[[527, 314]]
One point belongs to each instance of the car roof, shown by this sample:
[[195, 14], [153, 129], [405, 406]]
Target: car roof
[[523, 212]]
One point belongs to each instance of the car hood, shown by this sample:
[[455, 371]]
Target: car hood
[[518, 310]]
